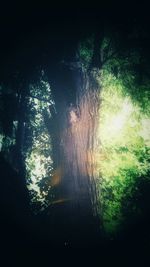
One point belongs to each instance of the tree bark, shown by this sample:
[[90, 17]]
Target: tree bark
[[74, 142]]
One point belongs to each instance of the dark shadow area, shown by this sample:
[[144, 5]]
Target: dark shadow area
[[61, 229]]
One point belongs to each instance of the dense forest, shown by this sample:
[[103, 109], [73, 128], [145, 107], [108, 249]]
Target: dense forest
[[75, 128]]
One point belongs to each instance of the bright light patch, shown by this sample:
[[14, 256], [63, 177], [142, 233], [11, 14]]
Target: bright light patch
[[117, 122], [114, 121]]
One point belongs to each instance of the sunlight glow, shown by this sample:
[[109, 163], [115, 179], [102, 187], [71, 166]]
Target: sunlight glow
[[120, 119], [113, 123]]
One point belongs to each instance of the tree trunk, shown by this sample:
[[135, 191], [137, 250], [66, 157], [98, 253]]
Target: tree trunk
[[76, 126]]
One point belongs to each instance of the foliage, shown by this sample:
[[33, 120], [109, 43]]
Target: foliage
[[124, 153], [36, 149], [86, 51], [129, 69], [38, 158]]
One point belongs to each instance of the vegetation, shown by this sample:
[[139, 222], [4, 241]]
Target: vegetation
[[38, 160], [124, 153]]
